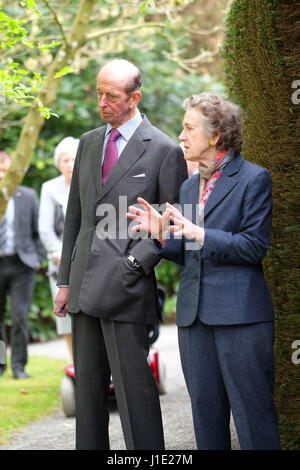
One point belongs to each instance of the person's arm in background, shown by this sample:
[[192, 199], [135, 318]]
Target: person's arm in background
[[40, 249], [48, 236], [71, 230]]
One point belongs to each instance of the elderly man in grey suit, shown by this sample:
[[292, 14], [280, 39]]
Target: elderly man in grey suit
[[21, 254], [107, 277]]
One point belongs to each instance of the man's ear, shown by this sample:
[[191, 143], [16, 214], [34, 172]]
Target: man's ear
[[135, 98]]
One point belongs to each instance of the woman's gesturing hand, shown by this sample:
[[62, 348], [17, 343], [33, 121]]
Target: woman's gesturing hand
[[182, 226], [149, 219]]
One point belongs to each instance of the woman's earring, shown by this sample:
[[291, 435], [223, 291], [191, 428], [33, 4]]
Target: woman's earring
[[211, 142]]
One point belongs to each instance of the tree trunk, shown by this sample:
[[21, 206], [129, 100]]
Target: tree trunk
[[261, 68]]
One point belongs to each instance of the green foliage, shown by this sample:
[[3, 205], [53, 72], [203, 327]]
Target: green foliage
[[41, 316], [166, 87], [151, 3], [11, 30], [261, 63], [167, 275], [18, 84], [31, 5]]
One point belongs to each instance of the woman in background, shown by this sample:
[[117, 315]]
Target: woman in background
[[53, 205]]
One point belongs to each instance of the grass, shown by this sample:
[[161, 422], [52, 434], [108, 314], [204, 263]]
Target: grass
[[23, 401]]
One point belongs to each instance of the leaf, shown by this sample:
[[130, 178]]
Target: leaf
[[64, 71], [144, 4], [31, 3], [49, 46]]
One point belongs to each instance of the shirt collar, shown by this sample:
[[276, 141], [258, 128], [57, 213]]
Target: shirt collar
[[127, 129]]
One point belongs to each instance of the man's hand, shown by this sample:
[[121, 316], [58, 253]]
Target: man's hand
[[61, 302], [56, 257]]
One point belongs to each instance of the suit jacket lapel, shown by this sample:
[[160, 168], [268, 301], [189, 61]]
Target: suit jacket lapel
[[131, 153], [96, 157], [224, 184]]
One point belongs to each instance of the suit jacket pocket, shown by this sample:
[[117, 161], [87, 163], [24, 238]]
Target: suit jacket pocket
[[111, 287], [137, 177], [132, 275]]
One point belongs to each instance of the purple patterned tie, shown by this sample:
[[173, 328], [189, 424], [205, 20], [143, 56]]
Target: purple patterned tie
[[111, 154]]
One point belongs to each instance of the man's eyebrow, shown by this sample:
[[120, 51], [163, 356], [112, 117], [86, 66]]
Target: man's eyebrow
[[98, 90]]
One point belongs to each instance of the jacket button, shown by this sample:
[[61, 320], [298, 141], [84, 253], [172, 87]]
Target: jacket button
[[196, 257], [196, 277]]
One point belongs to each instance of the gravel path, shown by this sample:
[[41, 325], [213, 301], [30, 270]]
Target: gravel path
[[56, 432]]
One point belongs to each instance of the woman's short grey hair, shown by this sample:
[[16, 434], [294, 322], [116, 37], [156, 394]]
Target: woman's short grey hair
[[220, 116], [68, 144]]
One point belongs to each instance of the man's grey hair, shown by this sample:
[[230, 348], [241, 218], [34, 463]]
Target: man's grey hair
[[134, 80]]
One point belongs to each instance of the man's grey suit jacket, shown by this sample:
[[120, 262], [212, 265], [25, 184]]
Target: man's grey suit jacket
[[101, 280], [28, 244]]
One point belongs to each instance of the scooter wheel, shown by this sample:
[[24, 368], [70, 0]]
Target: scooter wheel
[[67, 390], [162, 375]]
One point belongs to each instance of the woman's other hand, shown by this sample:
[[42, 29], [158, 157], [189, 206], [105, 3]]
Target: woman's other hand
[[149, 219]]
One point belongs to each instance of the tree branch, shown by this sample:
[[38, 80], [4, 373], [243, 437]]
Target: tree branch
[[190, 64], [57, 21], [216, 29], [5, 123], [203, 57], [124, 29]]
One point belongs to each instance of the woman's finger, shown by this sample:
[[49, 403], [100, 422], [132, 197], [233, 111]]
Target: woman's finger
[[137, 210], [173, 209], [137, 228], [144, 203], [177, 220], [177, 216], [129, 215], [176, 230]]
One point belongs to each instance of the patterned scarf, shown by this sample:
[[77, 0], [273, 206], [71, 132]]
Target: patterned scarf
[[209, 176]]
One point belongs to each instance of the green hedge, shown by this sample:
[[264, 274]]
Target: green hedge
[[261, 63]]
